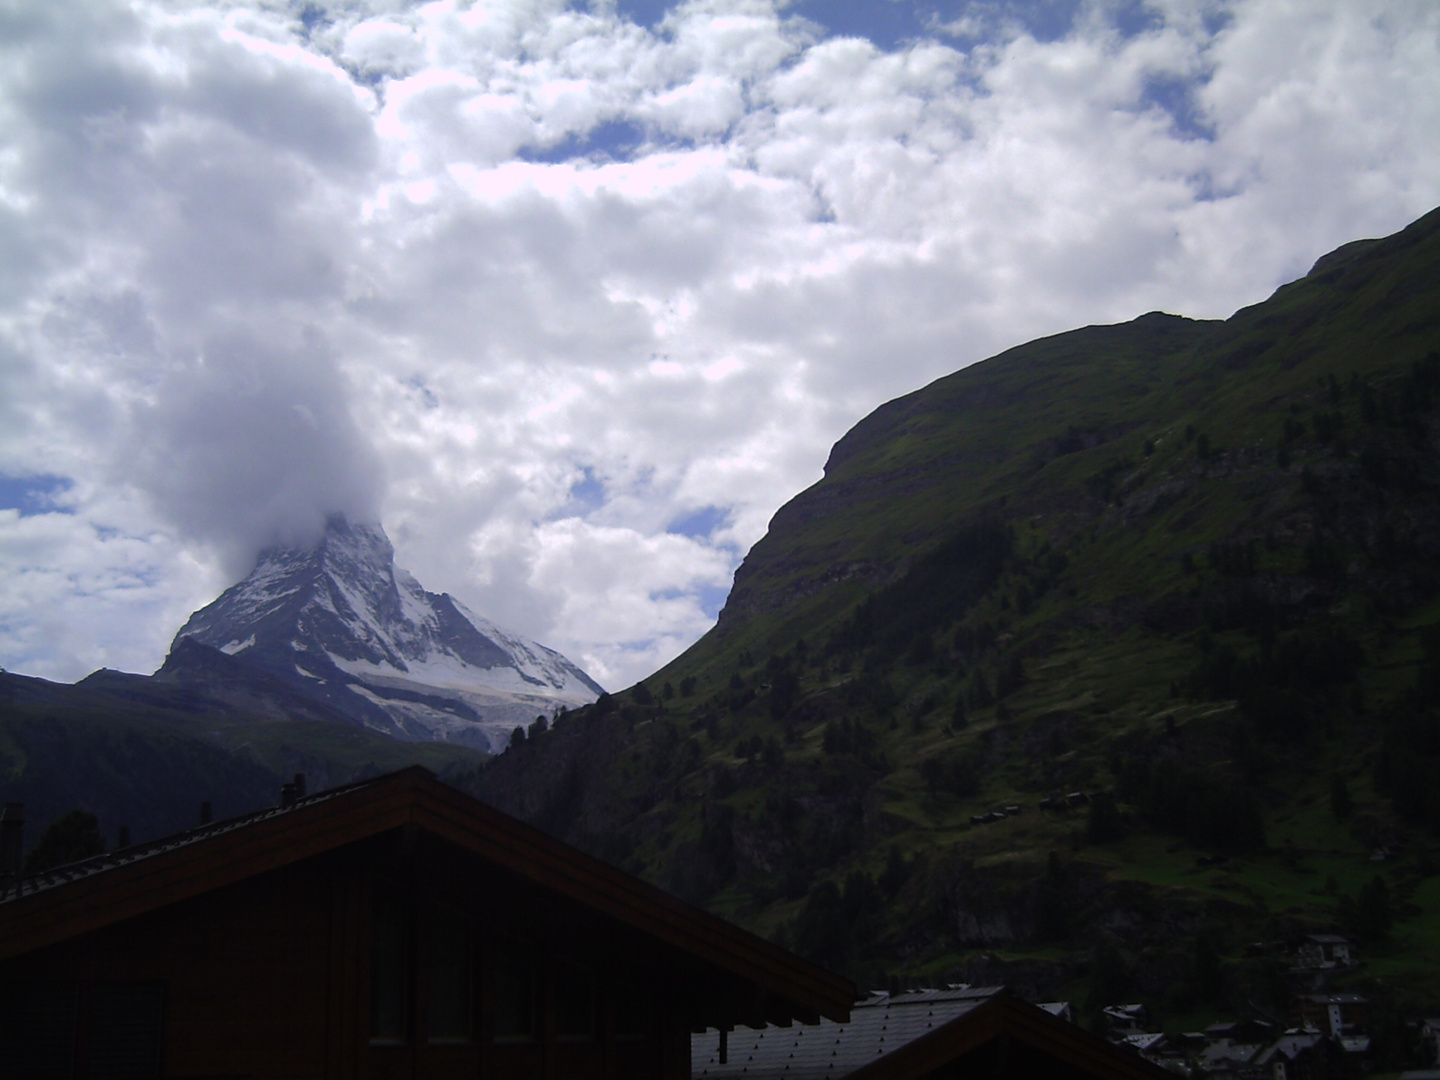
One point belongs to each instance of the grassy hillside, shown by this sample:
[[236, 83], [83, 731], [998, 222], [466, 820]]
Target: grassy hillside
[[1186, 568]]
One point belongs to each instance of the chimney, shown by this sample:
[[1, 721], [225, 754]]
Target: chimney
[[124, 840], [287, 796], [205, 817], [12, 839], [299, 785]]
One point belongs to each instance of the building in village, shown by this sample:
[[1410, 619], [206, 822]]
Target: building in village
[[1430, 1036], [1344, 1017], [1226, 1057], [1123, 1020], [1324, 951], [1330, 1041], [1305, 1054]]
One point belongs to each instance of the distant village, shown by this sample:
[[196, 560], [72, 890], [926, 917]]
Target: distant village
[[1326, 1034]]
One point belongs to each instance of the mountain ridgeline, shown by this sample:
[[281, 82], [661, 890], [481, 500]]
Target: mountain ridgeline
[[339, 623], [327, 660], [1117, 649]]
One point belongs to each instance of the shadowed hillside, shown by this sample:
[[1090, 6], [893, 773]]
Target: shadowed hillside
[[1084, 668]]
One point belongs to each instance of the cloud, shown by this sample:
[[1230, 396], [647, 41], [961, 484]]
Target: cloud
[[574, 301], [248, 445], [79, 597]]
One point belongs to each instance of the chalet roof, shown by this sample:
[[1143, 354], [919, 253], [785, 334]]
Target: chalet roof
[[1229, 1051], [879, 1024], [1236, 1030], [1144, 1040], [1290, 1046], [1334, 999], [85, 896], [916, 1035], [45, 880]]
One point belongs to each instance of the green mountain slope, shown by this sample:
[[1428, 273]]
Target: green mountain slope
[[1188, 569]]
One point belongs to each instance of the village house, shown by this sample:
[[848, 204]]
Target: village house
[[1344, 1017], [1227, 1058], [1252, 1050], [393, 928], [1301, 1055], [1320, 951], [1430, 1034], [1124, 1020]]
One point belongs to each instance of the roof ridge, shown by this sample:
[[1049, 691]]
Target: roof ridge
[[27, 884], [86, 896]]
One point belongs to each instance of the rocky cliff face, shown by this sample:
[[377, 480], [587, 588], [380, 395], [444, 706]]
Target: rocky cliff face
[[340, 623]]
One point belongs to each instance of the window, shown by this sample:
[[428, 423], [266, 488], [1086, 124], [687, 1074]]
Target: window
[[574, 1001], [629, 1007], [125, 1021], [389, 949], [513, 987], [110, 1031], [37, 1030], [448, 953]]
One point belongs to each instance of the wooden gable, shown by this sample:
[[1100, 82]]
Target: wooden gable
[[392, 928]]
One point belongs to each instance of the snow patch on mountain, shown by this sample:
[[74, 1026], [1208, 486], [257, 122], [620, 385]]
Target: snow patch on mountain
[[416, 664]]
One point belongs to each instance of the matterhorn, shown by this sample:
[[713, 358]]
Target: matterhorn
[[361, 641]]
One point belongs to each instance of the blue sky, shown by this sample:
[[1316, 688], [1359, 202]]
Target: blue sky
[[892, 23], [572, 297], [29, 495]]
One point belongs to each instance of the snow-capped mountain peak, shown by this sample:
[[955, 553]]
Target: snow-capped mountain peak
[[341, 617]]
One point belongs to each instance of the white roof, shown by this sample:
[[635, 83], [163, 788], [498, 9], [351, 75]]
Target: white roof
[[826, 1051]]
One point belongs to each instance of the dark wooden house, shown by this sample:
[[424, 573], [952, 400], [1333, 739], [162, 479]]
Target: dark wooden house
[[391, 928]]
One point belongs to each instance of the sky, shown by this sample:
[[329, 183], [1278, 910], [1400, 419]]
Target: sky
[[572, 297]]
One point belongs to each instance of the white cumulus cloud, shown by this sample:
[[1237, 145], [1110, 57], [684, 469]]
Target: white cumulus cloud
[[572, 304]]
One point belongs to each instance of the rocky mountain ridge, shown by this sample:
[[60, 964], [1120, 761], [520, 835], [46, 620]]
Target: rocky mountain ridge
[[327, 660], [340, 624]]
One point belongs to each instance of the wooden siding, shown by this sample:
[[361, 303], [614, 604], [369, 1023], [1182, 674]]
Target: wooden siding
[[252, 958], [779, 986], [260, 932], [269, 977]]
